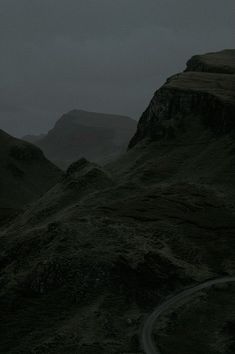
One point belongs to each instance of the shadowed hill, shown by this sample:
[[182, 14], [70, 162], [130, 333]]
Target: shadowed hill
[[25, 174], [82, 267], [203, 95]]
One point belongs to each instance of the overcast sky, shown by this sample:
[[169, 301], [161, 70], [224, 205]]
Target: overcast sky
[[98, 55]]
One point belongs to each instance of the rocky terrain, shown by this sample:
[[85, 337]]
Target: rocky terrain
[[25, 174], [98, 137], [200, 92], [83, 265], [198, 328]]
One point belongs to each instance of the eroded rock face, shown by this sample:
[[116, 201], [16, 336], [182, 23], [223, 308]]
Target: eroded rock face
[[204, 94]]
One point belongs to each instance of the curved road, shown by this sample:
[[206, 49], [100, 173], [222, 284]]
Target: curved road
[[148, 343]]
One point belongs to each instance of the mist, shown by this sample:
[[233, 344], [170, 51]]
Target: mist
[[101, 56]]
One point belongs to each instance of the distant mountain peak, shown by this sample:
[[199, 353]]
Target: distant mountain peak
[[100, 137]]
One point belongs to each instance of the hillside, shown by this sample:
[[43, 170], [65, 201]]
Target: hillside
[[203, 98], [25, 174], [95, 136], [85, 264]]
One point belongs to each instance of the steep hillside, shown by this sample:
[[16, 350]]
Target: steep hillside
[[95, 136], [87, 262], [25, 174], [200, 98]]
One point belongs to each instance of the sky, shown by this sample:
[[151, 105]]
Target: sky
[[98, 55]]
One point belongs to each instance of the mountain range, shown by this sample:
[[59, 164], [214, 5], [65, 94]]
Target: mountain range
[[86, 262]]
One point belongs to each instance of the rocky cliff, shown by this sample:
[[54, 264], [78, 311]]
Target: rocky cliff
[[221, 62], [203, 95]]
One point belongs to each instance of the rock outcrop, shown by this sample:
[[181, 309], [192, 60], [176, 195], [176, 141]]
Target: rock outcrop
[[221, 62], [203, 95]]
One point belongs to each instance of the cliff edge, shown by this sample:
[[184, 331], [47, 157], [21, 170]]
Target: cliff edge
[[203, 95]]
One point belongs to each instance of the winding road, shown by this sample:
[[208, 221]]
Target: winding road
[[147, 340]]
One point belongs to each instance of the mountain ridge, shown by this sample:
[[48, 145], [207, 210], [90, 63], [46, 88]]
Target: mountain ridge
[[83, 265], [25, 174], [194, 91], [97, 136]]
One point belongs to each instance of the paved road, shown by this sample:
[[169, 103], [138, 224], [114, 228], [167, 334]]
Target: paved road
[[148, 343]]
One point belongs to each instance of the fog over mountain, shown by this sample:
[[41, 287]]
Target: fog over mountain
[[102, 56]]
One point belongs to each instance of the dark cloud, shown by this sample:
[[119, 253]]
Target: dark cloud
[[103, 55]]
